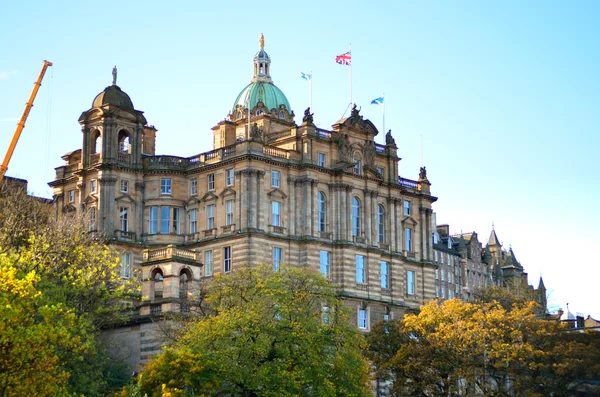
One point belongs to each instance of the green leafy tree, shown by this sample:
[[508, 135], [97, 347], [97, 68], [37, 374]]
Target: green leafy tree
[[266, 333], [76, 271], [32, 336]]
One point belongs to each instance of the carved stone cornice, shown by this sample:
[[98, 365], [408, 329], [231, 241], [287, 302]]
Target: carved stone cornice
[[108, 181]]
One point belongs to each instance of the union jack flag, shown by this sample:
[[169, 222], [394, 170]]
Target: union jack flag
[[344, 59]]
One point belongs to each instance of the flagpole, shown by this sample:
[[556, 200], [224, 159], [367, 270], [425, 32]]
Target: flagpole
[[351, 74], [383, 111], [310, 89]]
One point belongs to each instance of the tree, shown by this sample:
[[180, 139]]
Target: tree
[[32, 334], [76, 271], [266, 333], [456, 348]]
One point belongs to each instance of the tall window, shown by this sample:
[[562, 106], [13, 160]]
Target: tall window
[[124, 186], [227, 259], [153, 227], [71, 196], [385, 274], [355, 217], [228, 212], [325, 315], [211, 181], [92, 219], [276, 258], [321, 212], [124, 219], [194, 187], [275, 213], [229, 177], [357, 166], [360, 269], [406, 207], [410, 282], [408, 239], [275, 182], [208, 260], [176, 221], [93, 186], [324, 263], [210, 216], [165, 219], [362, 318], [97, 142], [193, 221], [165, 186], [126, 265], [322, 159], [380, 224]]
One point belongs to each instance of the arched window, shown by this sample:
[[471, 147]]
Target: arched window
[[124, 146], [321, 212], [355, 217], [380, 224], [259, 112], [157, 283], [97, 142], [239, 115], [281, 115], [184, 278]]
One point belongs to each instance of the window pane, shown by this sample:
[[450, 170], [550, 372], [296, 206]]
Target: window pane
[[276, 258], [153, 220], [227, 259], [324, 263], [208, 258], [360, 269], [165, 221]]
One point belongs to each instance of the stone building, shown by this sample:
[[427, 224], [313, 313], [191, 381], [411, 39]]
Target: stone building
[[270, 191]]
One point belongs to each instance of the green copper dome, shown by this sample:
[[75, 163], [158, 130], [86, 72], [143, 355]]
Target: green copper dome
[[261, 91], [261, 87]]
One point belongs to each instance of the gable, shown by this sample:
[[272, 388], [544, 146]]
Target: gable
[[210, 196], [277, 194]]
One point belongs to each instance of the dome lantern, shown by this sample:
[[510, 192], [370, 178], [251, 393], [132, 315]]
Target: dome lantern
[[261, 88]]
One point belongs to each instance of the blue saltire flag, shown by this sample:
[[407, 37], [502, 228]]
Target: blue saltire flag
[[306, 76], [377, 101]]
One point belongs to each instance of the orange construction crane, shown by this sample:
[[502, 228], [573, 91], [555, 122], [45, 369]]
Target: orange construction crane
[[21, 125]]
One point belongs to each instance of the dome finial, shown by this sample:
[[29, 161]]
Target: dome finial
[[262, 41], [114, 73]]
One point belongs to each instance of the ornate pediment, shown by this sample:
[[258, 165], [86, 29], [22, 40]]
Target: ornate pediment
[[277, 194], [409, 220], [193, 200], [90, 199], [209, 196], [372, 172], [227, 192], [125, 197], [356, 122], [69, 208]]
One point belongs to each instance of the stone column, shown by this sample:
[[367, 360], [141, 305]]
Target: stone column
[[367, 230], [291, 207], [140, 192], [312, 209], [348, 209], [332, 211], [342, 213], [260, 203], [240, 215]]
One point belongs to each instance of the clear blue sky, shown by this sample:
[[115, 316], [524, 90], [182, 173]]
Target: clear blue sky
[[506, 97]]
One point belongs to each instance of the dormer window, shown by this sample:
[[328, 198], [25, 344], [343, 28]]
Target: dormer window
[[260, 112], [239, 115], [281, 115]]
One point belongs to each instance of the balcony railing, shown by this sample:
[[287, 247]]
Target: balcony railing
[[124, 235], [228, 228], [276, 152], [169, 252], [277, 229], [358, 239], [408, 183]]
